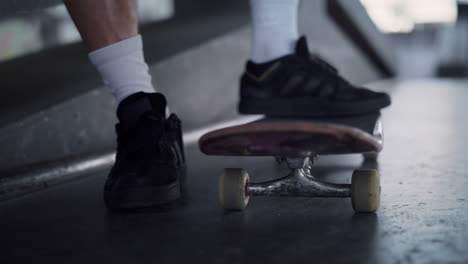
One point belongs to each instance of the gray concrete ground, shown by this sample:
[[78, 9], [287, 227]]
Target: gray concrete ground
[[423, 217]]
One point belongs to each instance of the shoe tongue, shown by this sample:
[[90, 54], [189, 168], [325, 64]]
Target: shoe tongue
[[134, 106], [158, 104], [302, 50]]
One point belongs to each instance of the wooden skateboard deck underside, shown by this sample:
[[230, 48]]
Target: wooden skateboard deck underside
[[297, 138]]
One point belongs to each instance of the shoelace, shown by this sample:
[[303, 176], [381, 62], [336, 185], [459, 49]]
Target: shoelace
[[340, 83], [324, 64]]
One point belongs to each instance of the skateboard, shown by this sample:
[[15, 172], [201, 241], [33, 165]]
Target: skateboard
[[298, 143]]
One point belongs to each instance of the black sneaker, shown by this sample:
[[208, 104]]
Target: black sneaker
[[302, 85], [150, 157]]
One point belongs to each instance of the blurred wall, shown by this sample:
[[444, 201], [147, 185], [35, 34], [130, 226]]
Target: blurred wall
[[45, 27]]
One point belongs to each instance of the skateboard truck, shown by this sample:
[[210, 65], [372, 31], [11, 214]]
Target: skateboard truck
[[299, 182], [235, 188]]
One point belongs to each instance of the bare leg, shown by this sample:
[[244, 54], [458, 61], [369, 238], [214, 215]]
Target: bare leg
[[103, 22], [109, 28]]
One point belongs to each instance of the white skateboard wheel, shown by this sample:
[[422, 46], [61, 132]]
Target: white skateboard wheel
[[365, 191], [232, 189]]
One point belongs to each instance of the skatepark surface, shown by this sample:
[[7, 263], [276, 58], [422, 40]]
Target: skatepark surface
[[423, 216]]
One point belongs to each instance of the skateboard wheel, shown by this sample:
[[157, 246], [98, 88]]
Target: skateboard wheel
[[232, 189], [371, 155], [365, 191]]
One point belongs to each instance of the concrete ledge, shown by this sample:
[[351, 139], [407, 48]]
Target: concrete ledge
[[39, 176], [54, 104], [85, 122]]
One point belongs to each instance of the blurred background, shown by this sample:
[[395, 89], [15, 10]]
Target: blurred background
[[430, 37], [29, 31]]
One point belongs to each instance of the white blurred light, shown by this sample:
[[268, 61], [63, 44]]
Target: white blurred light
[[403, 15]]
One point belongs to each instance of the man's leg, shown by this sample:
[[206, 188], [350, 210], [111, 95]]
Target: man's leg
[[283, 79], [150, 157], [109, 29], [104, 22]]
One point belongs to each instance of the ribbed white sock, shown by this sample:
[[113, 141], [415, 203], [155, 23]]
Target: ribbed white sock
[[123, 68], [274, 28]]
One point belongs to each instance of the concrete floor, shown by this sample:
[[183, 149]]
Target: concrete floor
[[423, 216]]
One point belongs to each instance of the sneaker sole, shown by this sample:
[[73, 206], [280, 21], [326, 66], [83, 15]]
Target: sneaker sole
[[309, 107]]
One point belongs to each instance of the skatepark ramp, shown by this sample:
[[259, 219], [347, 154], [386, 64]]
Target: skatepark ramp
[[56, 118]]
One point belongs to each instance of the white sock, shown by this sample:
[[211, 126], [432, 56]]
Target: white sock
[[123, 68], [274, 29]]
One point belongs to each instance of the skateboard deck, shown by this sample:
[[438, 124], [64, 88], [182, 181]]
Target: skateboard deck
[[294, 138], [298, 142]]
